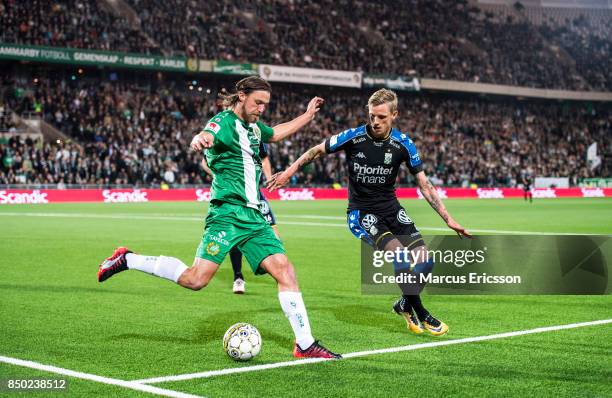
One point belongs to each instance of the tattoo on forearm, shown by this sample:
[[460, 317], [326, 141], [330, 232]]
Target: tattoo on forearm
[[431, 195], [309, 156]]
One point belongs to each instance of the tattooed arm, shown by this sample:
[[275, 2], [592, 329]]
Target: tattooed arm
[[281, 179], [431, 196]]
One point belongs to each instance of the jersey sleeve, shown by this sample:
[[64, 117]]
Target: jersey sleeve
[[219, 130], [266, 131], [341, 141], [414, 163]]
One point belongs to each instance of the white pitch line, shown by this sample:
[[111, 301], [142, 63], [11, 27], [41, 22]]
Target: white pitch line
[[100, 379], [116, 216], [222, 372]]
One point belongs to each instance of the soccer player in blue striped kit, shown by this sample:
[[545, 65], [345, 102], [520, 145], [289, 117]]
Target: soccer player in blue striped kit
[[375, 152]]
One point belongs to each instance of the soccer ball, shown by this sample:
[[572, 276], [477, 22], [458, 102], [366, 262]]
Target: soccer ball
[[242, 341]]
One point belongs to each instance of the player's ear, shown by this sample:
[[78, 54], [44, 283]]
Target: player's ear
[[241, 96], [394, 115]]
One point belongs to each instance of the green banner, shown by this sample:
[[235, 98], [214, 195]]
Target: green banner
[[393, 82], [234, 68], [93, 57], [596, 183]]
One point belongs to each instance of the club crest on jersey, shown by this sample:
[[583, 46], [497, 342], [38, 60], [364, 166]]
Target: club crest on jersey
[[256, 131], [213, 127], [368, 221], [403, 217], [388, 157]]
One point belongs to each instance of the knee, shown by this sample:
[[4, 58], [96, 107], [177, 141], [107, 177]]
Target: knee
[[193, 280], [197, 285], [284, 273]]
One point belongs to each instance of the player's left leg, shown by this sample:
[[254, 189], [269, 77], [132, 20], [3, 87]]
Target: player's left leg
[[409, 236], [266, 254]]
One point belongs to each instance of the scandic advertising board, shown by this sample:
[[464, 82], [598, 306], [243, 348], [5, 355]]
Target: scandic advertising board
[[41, 196]]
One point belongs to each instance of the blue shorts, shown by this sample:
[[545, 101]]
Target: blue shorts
[[265, 209]]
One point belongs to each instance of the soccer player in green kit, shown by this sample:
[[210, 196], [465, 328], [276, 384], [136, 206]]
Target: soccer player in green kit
[[232, 139]]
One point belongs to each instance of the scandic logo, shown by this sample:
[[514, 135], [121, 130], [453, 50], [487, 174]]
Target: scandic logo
[[302, 194], [544, 193], [494, 193], [202, 195], [441, 193], [593, 193], [35, 197], [124, 197]]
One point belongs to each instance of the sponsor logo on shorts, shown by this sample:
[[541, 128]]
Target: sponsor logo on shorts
[[403, 217], [368, 221], [212, 248], [219, 239], [264, 208]]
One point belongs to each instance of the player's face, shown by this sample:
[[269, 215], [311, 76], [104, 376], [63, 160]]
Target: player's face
[[254, 105], [381, 119]]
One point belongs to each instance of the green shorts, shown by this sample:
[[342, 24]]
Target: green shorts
[[229, 225]]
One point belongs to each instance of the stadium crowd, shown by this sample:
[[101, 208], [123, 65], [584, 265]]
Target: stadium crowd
[[436, 39], [124, 134]]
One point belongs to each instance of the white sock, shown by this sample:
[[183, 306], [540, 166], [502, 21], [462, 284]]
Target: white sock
[[165, 267], [294, 309]]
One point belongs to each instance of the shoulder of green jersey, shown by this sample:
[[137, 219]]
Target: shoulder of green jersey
[[214, 124]]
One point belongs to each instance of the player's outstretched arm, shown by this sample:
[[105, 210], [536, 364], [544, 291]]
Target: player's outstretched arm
[[431, 196], [284, 130], [202, 141], [281, 179]]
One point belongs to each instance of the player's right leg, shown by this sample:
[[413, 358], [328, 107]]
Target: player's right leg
[[266, 254], [292, 304]]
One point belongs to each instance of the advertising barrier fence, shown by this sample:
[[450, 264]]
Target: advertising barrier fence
[[41, 196]]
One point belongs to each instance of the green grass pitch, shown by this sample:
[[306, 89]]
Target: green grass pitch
[[134, 326]]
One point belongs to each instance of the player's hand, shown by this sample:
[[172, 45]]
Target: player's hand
[[455, 226], [279, 180], [314, 105], [201, 141]]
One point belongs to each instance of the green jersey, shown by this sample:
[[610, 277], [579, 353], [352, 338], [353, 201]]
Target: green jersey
[[234, 158]]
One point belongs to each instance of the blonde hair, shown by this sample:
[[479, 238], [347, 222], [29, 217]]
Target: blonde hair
[[384, 96]]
